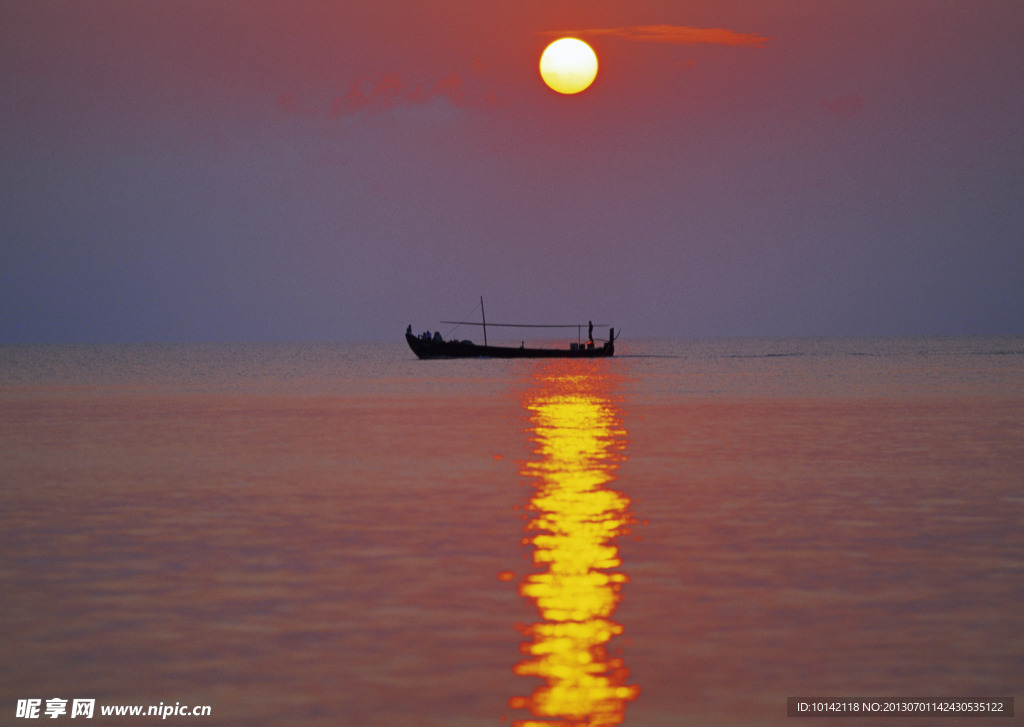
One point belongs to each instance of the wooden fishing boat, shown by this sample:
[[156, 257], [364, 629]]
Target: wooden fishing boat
[[434, 346]]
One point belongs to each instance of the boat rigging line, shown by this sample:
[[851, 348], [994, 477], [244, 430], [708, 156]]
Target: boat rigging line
[[483, 322]]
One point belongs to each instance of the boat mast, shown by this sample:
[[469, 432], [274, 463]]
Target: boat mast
[[483, 318]]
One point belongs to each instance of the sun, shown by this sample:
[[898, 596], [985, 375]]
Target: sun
[[568, 65]]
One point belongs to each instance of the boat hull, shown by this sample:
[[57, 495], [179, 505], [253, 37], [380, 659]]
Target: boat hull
[[466, 349]]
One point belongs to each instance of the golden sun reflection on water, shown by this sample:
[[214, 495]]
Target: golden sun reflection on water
[[579, 442]]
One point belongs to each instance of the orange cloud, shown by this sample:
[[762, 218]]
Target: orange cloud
[[677, 35]]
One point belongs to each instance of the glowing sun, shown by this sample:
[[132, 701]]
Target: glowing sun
[[568, 65]]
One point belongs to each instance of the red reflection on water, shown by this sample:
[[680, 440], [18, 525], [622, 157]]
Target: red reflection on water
[[579, 444]]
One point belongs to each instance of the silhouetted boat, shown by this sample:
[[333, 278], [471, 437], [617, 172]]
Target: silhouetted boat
[[434, 346]]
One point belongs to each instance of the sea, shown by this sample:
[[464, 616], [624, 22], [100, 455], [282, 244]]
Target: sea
[[690, 533]]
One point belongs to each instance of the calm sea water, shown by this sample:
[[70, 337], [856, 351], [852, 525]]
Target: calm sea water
[[687, 534]]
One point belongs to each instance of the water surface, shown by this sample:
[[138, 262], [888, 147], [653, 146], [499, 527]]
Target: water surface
[[328, 534]]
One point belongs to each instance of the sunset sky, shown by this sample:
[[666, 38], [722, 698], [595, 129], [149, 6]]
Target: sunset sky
[[295, 170]]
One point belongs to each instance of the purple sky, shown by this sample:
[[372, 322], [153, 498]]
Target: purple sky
[[294, 170]]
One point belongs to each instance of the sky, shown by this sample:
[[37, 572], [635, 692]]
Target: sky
[[294, 170]]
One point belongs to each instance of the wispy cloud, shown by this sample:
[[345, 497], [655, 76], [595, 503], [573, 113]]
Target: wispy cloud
[[388, 91], [846, 107], [375, 94], [675, 34]]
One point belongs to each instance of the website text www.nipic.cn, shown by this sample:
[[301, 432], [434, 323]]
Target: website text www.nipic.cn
[[86, 708]]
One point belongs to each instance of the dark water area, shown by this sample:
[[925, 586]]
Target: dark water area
[[688, 533]]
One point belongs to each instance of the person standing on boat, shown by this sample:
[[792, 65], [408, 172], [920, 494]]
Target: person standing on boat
[[590, 335]]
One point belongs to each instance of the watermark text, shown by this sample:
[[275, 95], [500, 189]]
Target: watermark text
[[57, 707]]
